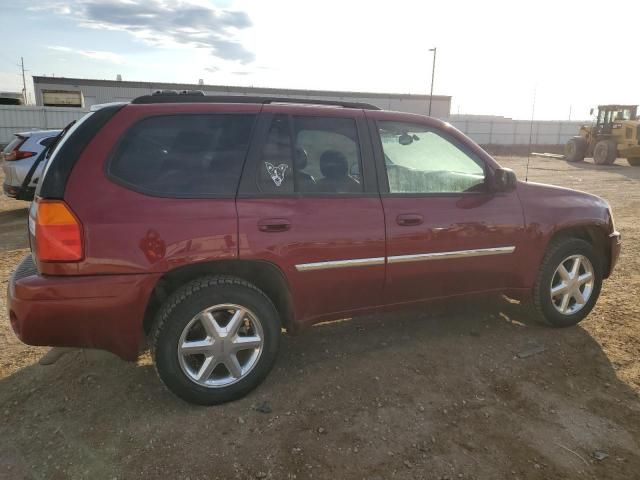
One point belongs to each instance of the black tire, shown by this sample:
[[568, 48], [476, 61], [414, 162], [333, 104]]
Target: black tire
[[605, 152], [542, 306], [182, 306], [575, 149], [634, 162]]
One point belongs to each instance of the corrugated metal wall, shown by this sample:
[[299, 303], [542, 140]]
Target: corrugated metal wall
[[516, 132], [502, 131], [15, 119]]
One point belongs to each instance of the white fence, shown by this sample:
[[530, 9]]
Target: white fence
[[485, 131], [516, 132], [15, 119]]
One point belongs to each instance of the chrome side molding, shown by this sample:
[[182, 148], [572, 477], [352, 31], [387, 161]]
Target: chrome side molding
[[356, 262], [479, 252], [418, 257]]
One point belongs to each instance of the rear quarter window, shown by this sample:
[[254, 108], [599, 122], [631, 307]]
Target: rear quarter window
[[190, 155], [45, 142]]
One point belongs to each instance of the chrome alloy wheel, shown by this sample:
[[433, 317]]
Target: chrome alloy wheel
[[220, 345], [572, 284]]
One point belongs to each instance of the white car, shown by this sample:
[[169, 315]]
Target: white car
[[18, 157]]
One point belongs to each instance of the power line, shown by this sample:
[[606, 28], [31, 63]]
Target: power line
[[533, 112], [24, 82]]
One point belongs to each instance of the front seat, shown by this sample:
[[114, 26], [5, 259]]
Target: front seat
[[335, 169]]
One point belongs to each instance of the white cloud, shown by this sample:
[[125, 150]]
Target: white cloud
[[101, 55], [169, 24]]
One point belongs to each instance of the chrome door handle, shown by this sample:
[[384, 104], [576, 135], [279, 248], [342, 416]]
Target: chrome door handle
[[409, 219], [274, 225]]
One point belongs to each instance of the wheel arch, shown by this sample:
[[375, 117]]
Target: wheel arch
[[264, 275], [595, 235]]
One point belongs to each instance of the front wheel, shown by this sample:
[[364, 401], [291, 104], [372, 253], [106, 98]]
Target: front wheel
[[605, 152], [568, 283], [215, 339]]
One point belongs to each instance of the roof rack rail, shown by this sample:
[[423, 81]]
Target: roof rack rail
[[190, 96], [177, 92]]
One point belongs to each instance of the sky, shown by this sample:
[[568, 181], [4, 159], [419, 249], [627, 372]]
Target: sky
[[493, 56]]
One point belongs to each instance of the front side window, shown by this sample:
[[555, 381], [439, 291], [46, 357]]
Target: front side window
[[323, 156], [184, 155], [419, 160]]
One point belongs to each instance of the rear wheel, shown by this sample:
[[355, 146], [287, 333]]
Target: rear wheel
[[575, 149], [634, 162], [605, 152], [568, 283], [215, 340]]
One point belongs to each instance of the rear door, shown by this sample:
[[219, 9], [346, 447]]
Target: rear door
[[308, 203], [164, 196], [447, 234]]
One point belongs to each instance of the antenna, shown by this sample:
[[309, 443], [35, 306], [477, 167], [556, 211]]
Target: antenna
[[533, 112], [433, 73]]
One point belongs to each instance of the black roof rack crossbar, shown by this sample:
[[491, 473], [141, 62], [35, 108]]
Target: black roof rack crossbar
[[182, 98]]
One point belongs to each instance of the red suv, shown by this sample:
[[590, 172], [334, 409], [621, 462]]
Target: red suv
[[206, 225]]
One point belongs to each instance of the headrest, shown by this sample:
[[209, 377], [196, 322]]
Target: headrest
[[333, 164]]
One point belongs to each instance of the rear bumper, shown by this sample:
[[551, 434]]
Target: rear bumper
[[16, 171], [615, 245], [13, 191], [100, 311], [10, 190]]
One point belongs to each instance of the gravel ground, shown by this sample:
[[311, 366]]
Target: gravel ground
[[435, 394]]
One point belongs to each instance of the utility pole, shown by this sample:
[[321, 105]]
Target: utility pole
[[433, 73], [24, 83]]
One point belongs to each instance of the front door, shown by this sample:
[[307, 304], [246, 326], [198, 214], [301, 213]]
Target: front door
[[308, 204], [447, 234]]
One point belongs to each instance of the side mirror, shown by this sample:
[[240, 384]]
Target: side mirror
[[504, 180], [591, 112]]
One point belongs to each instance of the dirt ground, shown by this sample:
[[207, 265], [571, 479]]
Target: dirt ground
[[433, 394]]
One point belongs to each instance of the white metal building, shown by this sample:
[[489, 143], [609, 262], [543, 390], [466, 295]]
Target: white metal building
[[486, 130], [90, 92]]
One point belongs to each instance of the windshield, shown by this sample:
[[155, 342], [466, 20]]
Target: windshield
[[64, 136]]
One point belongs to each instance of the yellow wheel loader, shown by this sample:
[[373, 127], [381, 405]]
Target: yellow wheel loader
[[614, 133]]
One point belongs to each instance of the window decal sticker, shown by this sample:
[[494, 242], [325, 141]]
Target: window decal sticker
[[277, 173]]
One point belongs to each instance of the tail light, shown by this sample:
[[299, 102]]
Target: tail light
[[57, 232], [18, 155], [15, 153]]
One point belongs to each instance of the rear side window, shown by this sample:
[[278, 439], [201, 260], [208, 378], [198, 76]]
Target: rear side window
[[323, 156], [47, 141], [184, 155]]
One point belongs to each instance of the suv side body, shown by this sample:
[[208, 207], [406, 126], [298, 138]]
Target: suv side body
[[315, 255]]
